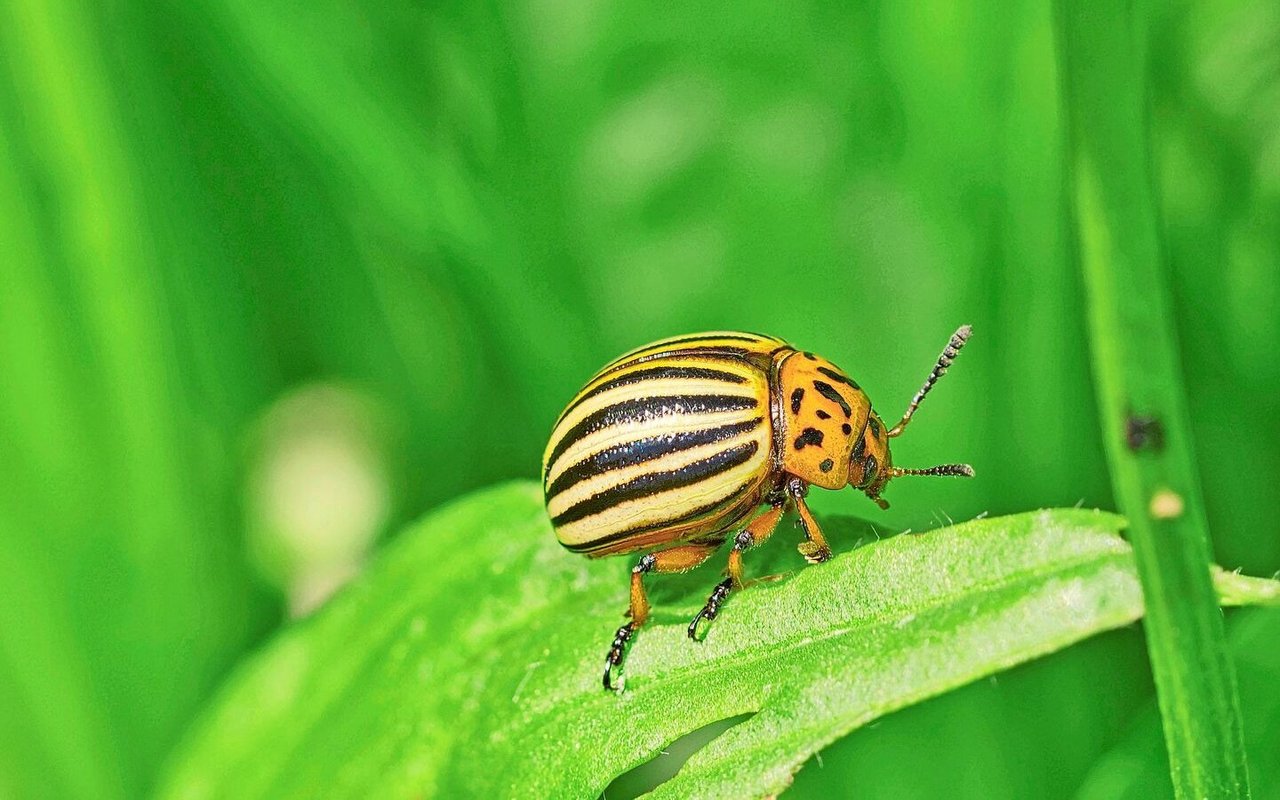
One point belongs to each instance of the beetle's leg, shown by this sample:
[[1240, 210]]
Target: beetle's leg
[[760, 528], [675, 559], [814, 548]]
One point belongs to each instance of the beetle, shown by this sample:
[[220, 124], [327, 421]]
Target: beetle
[[673, 448]]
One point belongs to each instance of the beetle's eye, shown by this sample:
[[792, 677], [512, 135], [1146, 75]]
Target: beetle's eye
[[869, 469]]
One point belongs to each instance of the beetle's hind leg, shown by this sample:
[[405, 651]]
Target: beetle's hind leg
[[760, 528], [675, 559]]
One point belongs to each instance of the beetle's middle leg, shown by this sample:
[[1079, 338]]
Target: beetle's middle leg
[[814, 548], [759, 529], [674, 559]]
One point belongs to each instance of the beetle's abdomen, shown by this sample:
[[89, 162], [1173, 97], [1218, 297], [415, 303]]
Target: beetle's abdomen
[[663, 447]]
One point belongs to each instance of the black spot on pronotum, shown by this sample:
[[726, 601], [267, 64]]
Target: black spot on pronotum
[[796, 397], [874, 426], [846, 429], [828, 391], [822, 414], [838, 377], [809, 436], [826, 465], [1144, 432]]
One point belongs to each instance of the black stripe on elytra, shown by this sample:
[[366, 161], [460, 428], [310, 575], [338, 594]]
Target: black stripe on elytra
[[662, 346], [657, 482], [809, 436], [643, 409], [711, 337], [628, 454], [729, 355], [656, 373], [828, 391], [838, 377], [649, 527], [722, 352], [796, 397]]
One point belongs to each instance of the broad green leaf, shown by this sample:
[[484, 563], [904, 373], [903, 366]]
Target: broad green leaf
[[466, 661]]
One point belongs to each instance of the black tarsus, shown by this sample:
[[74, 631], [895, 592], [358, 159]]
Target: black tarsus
[[712, 608], [616, 653], [743, 541]]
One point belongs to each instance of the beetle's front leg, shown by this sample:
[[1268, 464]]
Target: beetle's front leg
[[814, 548], [759, 529], [675, 559]]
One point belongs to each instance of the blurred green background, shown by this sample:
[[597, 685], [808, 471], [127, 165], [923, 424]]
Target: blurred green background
[[277, 278]]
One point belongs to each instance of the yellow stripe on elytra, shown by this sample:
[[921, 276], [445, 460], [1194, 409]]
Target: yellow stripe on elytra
[[671, 461], [729, 365], [667, 426], [754, 384], [661, 507], [660, 387]]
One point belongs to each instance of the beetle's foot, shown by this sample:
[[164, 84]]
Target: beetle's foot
[[613, 678], [711, 609], [814, 553]]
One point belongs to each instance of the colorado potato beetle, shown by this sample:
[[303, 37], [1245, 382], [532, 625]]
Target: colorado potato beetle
[[673, 448]]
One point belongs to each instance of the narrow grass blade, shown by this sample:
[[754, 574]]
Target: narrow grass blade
[[1140, 391]]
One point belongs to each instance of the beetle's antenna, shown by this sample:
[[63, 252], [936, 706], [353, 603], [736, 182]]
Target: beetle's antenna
[[949, 354], [950, 470]]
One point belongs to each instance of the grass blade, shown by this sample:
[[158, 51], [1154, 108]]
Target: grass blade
[[125, 592], [1137, 767], [1140, 394]]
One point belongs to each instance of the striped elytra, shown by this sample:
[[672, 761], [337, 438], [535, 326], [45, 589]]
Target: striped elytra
[[661, 445], [672, 448]]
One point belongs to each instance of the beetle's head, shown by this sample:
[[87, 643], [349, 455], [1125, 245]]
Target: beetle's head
[[871, 465]]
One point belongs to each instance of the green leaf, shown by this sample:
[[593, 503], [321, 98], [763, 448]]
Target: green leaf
[[467, 660]]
